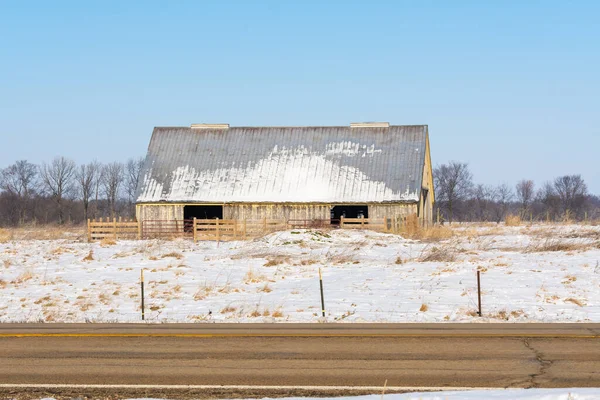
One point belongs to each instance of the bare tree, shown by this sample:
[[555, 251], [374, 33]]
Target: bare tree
[[503, 195], [482, 199], [572, 192], [19, 180], [112, 179], [453, 182], [133, 168], [525, 190], [549, 199], [87, 177], [57, 178]]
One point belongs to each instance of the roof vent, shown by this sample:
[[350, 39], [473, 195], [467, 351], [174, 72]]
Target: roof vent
[[370, 125], [210, 126]]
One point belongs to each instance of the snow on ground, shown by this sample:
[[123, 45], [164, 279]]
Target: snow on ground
[[541, 273], [508, 394]]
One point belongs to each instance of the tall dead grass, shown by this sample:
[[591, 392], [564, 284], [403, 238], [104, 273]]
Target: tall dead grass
[[412, 229], [553, 244], [43, 232], [513, 220], [438, 254]]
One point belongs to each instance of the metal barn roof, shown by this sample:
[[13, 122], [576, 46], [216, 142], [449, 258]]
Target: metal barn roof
[[284, 164]]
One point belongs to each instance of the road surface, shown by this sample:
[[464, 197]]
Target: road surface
[[244, 360]]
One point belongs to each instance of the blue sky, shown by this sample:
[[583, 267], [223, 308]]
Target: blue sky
[[511, 87]]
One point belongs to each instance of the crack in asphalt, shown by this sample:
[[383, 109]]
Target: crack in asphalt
[[543, 365]]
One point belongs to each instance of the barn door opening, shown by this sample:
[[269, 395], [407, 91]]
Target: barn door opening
[[337, 212], [202, 212]]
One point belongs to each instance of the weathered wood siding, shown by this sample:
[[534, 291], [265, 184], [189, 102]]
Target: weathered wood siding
[[426, 205], [393, 211], [169, 212], [277, 211], [273, 211]]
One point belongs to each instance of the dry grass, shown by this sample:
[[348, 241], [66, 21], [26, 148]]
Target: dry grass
[[575, 301], [253, 277], [276, 260], [266, 288], [424, 308], [43, 232], [174, 254], [90, 256], [103, 298], [23, 277], [255, 314], [277, 314], [107, 242], [6, 235], [550, 245], [439, 254], [228, 310], [412, 229], [506, 316], [512, 220]]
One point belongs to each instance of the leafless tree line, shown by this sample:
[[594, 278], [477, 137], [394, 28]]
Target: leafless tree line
[[459, 198], [63, 192]]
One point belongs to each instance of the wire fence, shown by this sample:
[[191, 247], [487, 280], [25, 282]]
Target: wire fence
[[218, 301]]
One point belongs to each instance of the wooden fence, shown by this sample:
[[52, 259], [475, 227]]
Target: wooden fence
[[112, 229], [224, 229]]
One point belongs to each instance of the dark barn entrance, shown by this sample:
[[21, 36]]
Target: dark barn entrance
[[338, 212], [202, 212]]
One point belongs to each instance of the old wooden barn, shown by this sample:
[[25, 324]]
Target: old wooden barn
[[320, 173]]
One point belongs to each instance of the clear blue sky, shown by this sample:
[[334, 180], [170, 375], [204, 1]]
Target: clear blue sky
[[511, 87]]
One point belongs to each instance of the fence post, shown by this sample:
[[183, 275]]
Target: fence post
[[218, 232], [322, 296], [194, 229], [115, 227], [139, 230], [342, 222], [89, 231], [142, 287], [479, 292]]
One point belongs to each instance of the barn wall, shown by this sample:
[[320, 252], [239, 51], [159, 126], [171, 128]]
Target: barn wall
[[391, 210], [277, 211], [159, 212], [426, 206], [273, 211]]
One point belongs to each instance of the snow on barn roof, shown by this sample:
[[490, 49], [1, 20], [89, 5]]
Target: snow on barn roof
[[341, 164]]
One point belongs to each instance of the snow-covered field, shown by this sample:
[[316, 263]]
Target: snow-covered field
[[542, 273], [509, 394]]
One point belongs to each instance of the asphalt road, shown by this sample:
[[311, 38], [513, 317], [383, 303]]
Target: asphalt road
[[301, 356]]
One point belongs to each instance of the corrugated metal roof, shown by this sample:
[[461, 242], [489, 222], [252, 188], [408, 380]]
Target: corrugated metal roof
[[284, 164]]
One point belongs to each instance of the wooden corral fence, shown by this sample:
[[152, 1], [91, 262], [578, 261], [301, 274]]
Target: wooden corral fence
[[112, 229], [222, 230], [226, 229]]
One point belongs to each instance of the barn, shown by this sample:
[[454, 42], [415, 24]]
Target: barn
[[316, 173]]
